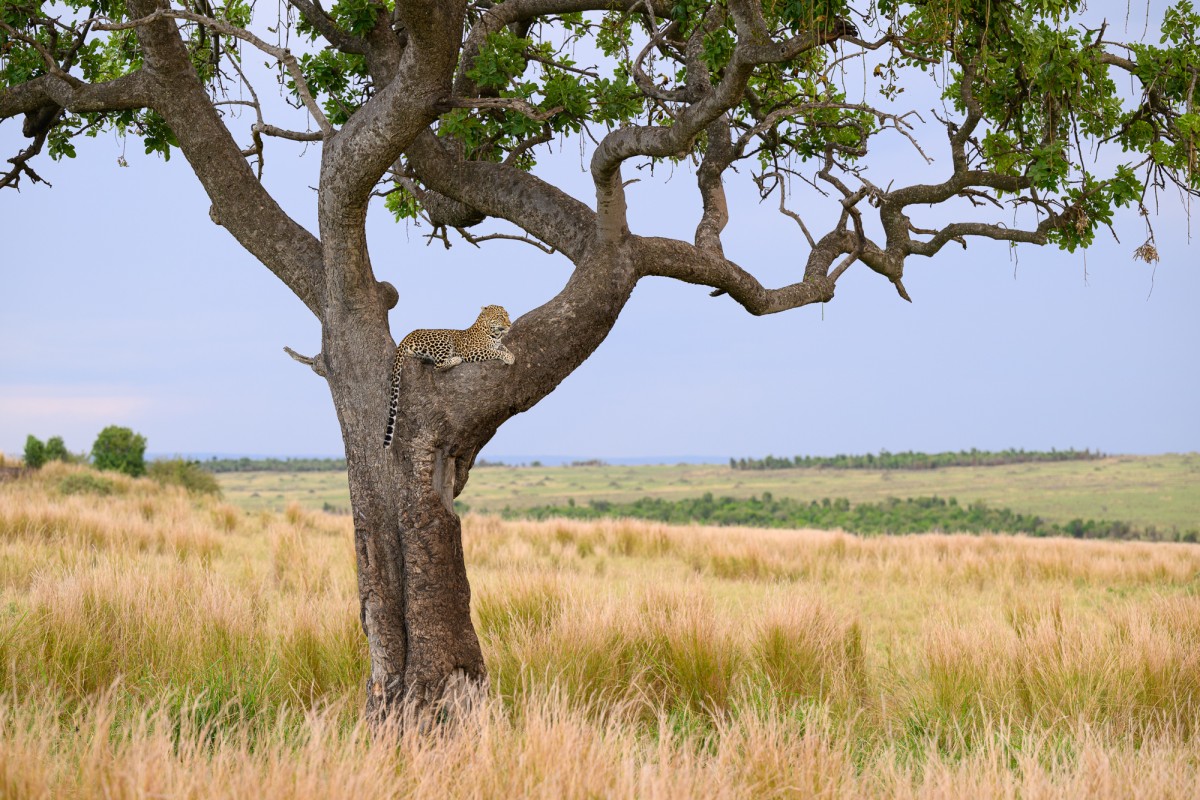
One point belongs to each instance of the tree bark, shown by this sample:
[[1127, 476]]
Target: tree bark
[[413, 591]]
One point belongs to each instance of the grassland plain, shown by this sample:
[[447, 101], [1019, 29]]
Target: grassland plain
[[1144, 490], [155, 644]]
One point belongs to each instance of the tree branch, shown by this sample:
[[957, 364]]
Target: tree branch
[[281, 133], [670, 258], [317, 362], [753, 49], [496, 16], [42, 101], [240, 203], [378, 133], [130, 91], [477, 240], [503, 103], [282, 54], [505, 192], [719, 154], [319, 19]]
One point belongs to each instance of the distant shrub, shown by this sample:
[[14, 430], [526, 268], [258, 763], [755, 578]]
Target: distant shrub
[[86, 483], [188, 474], [56, 450], [121, 450], [915, 461], [35, 452]]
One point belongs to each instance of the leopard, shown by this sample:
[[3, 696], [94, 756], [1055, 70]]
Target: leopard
[[446, 349]]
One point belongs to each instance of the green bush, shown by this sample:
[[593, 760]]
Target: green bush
[[188, 474], [86, 483], [56, 450], [35, 452], [121, 450]]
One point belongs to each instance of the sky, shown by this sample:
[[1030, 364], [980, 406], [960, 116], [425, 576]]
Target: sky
[[122, 303]]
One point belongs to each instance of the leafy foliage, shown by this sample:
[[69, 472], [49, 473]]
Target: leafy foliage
[[56, 450], [190, 475], [121, 450], [87, 483], [1041, 84], [35, 452]]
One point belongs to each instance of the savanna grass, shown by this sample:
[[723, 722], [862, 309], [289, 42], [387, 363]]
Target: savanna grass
[[156, 643]]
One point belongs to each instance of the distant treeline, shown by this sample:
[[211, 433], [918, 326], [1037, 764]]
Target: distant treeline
[[911, 460], [892, 516], [274, 464]]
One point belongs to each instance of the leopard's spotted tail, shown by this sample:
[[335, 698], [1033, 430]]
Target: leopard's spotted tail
[[393, 409]]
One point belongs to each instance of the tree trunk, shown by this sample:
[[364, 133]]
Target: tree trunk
[[413, 592], [414, 599]]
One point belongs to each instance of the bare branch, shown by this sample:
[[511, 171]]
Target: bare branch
[[533, 56], [644, 82], [281, 133], [477, 240], [317, 362], [525, 145], [20, 162], [783, 209], [319, 19], [957, 231], [717, 157], [670, 258]]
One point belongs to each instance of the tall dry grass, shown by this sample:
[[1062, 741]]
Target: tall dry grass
[[153, 644]]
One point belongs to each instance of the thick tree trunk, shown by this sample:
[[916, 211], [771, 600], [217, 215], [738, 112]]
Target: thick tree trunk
[[444, 662], [413, 591]]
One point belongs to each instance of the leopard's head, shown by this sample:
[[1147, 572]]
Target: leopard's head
[[494, 319]]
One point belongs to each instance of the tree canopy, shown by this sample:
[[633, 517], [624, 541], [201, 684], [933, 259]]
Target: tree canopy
[[1031, 91]]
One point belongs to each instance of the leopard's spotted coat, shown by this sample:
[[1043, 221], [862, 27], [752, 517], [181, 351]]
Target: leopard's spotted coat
[[449, 348]]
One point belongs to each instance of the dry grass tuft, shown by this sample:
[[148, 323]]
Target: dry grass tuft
[[154, 644]]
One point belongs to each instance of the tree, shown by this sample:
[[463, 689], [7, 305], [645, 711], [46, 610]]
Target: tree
[[35, 452], [444, 109], [121, 450], [56, 450]]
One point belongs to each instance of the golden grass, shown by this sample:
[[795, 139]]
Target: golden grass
[[153, 644]]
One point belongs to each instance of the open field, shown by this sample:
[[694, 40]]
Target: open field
[[159, 645], [1144, 490]]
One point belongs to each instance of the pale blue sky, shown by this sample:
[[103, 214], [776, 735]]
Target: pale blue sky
[[120, 302]]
